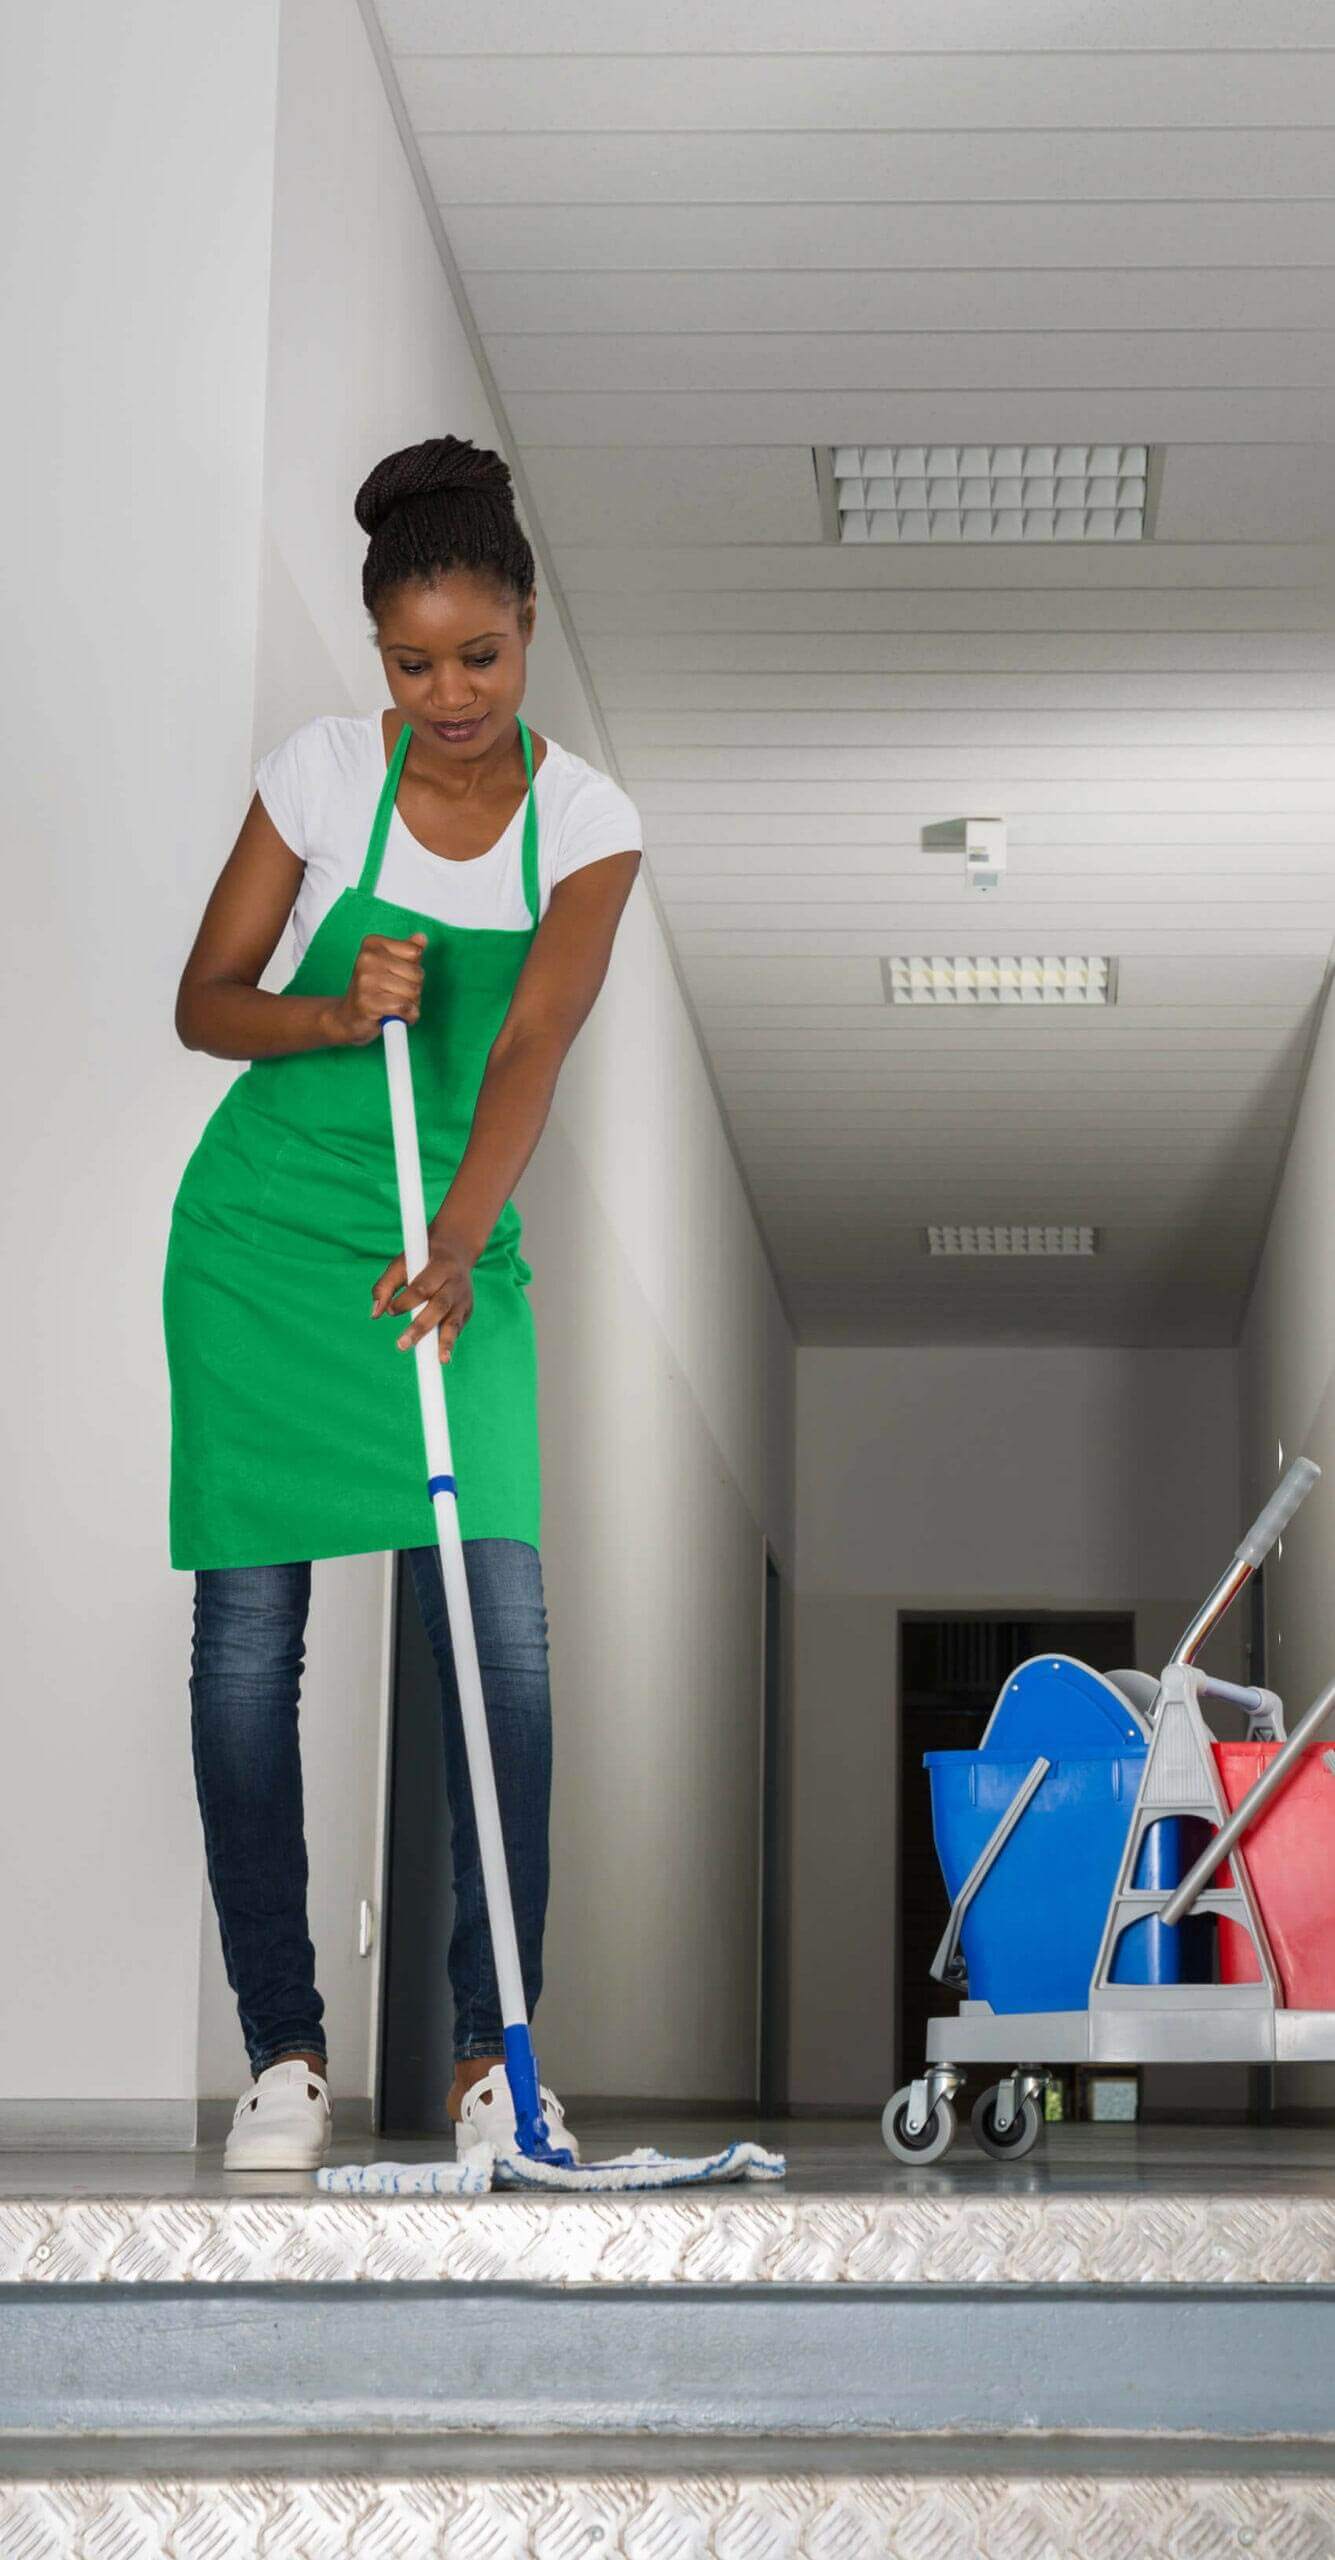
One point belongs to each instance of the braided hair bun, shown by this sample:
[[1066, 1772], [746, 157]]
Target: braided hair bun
[[440, 505]]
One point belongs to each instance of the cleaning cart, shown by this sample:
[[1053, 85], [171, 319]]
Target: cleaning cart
[[1104, 1908]]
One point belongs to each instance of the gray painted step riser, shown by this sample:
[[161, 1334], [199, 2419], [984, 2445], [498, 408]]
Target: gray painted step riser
[[181, 2360]]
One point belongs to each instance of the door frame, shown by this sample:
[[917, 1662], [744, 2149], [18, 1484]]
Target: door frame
[[773, 1842]]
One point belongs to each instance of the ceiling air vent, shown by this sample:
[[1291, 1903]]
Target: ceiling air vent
[[988, 978], [1012, 1240], [986, 492]]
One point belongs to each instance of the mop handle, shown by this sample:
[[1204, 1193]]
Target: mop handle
[[440, 1480], [1272, 1777], [1269, 1525]]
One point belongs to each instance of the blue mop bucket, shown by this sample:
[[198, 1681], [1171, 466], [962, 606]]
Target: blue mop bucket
[[1031, 1935]]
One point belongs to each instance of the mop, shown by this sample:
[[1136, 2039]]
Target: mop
[[535, 2160]]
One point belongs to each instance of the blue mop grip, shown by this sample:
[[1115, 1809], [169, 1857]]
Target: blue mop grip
[[533, 2133]]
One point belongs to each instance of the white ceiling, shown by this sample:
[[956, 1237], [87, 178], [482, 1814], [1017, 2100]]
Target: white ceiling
[[698, 243]]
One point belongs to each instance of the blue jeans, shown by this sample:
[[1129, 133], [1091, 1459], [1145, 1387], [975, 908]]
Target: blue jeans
[[247, 1658]]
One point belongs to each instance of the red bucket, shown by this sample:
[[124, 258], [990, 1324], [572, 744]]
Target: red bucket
[[1290, 1855]]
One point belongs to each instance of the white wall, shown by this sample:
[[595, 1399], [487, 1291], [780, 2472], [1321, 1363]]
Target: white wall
[[979, 1479], [135, 186], [207, 393]]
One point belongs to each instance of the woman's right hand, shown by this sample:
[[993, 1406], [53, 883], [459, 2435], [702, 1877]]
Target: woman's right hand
[[386, 978]]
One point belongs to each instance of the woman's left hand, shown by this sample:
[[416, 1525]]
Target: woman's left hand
[[444, 1284]]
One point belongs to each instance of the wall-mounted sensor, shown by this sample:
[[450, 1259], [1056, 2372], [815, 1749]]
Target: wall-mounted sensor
[[985, 852]]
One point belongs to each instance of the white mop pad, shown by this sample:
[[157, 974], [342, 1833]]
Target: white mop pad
[[484, 2169]]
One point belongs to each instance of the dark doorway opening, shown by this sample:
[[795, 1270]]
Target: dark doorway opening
[[951, 1670], [772, 2058]]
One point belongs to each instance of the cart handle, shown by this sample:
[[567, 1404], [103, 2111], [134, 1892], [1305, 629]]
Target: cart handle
[[947, 1965], [1242, 1818], [1268, 1525], [1271, 1523]]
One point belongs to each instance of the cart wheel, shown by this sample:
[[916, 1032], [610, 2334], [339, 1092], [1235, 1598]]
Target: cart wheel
[[918, 2149], [1023, 2133]]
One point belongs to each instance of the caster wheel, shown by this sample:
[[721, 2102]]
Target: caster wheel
[[1020, 2136], [917, 2149]]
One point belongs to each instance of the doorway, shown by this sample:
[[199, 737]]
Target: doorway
[[951, 1671], [775, 1882]]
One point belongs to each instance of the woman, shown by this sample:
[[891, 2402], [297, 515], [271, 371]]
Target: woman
[[442, 863]]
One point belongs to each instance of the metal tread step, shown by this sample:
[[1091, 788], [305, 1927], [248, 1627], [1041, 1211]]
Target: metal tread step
[[825, 2508]]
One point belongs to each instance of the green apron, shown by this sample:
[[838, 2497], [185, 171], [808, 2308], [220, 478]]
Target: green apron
[[296, 1424]]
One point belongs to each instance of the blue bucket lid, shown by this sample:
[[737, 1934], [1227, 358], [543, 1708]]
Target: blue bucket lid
[[1058, 1706]]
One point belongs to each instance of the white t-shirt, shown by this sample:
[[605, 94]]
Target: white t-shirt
[[321, 786]]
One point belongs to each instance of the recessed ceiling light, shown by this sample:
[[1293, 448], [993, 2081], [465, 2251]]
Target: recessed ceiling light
[[984, 492], [1012, 1240], [1026, 979]]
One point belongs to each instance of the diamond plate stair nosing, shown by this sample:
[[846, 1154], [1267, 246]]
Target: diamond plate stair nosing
[[798, 2241], [630, 2517]]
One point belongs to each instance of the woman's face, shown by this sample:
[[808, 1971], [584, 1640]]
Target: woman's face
[[455, 657]]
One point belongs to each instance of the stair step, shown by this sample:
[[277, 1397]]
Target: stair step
[[857, 2514], [727, 2359]]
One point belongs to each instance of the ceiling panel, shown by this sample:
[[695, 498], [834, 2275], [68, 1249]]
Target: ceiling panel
[[840, 415], [872, 170], [797, 300], [702, 27], [944, 578], [624, 686], [754, 209], [916, 360], [695, 247], [715, 616], [1002, 96]]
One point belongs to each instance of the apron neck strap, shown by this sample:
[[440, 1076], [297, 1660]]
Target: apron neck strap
[[531, 891], [380, 823], [375, 850]]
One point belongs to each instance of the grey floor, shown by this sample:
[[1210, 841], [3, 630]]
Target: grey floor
[[824, 2159]]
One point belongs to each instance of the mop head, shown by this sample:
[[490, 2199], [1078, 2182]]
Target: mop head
[[484, 2169]]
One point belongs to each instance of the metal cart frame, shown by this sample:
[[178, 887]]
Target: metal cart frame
[[1136, 2022]]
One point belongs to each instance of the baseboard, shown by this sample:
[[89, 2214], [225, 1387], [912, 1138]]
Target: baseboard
[[97, 2124], [137, 2124], [825, 2113], [674, 2110], [1202, 2116]]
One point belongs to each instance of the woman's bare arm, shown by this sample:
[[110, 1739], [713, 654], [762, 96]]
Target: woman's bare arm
[[553, 994], [220, 1005]]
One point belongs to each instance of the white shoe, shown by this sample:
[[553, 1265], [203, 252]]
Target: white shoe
[[488, 2116], [283, 2122]]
